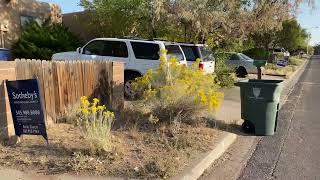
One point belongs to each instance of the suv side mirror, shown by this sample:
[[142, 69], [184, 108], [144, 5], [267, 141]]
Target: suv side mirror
[[79, 50]]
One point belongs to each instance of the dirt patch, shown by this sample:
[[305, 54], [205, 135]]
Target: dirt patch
[[137, 154]]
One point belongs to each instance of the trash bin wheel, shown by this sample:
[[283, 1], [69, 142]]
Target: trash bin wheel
[[248, 127]]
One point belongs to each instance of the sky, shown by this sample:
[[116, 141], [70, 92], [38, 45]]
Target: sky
[[310, 19], [67, 6], [307, 18]]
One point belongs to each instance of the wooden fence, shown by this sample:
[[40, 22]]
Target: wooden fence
[[62, 83]]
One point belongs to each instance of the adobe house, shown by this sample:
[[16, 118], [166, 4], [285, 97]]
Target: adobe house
[[14, 14], [80, 24]]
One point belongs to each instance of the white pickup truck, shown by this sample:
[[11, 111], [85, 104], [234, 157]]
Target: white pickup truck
[[138, 55]]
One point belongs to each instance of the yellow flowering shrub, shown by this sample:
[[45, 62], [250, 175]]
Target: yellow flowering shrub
[[95, 122], [174, 90]]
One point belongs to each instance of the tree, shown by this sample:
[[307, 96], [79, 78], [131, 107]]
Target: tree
[[316, 49], [292, 36], [116, 18], [218, 21], [42, 41]]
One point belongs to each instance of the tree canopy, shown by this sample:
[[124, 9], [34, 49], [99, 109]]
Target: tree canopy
[[216, 21]]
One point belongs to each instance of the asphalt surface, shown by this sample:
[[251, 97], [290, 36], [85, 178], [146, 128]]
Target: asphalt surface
[[294, 151]]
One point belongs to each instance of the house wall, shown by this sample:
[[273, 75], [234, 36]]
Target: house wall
[[80, 23], [12, 10]]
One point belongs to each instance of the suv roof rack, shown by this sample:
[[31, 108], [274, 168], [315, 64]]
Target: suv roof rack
[[160, 39], [134, 38]]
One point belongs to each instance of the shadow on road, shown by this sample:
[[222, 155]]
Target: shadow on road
[[223, 126]]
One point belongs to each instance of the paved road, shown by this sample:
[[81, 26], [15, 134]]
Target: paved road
[[294, 152]]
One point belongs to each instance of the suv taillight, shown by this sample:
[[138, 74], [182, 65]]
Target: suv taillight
[[201, 66]]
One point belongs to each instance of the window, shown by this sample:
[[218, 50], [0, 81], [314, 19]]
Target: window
[[207, 54], [191, 53], [246, 57], [115, 49], [94, 48], [25, 19], [174, 51], [143, 50], [234, 57]]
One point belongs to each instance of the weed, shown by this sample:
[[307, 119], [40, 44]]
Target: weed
[[295, 61], [224, 75], [95, 122], [175, 90]]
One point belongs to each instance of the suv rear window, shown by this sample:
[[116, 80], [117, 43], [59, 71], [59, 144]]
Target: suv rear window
[[149, 51], [174, 51], [191, 52], [207, 54]]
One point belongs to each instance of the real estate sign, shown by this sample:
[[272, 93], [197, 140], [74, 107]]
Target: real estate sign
[[26, 107]]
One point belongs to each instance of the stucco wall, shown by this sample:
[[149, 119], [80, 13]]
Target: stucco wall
[[80, 24], [7, 72]]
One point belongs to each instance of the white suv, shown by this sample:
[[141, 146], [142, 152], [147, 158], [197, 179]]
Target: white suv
[[138, 55], [199, 51]]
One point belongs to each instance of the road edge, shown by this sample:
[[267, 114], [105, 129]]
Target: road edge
[[218, 149], [288, 86]]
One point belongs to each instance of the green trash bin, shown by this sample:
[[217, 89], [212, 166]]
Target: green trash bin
[[260, 105]]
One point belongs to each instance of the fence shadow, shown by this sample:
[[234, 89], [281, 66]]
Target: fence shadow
[[102, 90]]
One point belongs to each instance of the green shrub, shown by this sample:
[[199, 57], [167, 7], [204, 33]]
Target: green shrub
[[42, 41], [175, 92], [257, 53], [95, 122], [223, 74]]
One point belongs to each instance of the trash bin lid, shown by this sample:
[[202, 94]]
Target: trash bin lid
[[264, 82]]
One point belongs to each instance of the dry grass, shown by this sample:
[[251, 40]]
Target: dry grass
[[281, 71], [158, 153], [287, 71]]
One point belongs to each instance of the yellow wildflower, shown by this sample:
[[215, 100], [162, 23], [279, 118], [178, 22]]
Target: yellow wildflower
[[203, 97], [84, 103], [94, 109], [83, 98], [108, 114], [95, 101], [101, 108], [85, 111]]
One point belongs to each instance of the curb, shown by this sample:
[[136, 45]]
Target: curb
[[195, 170], [289, 84], [206, 161]]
